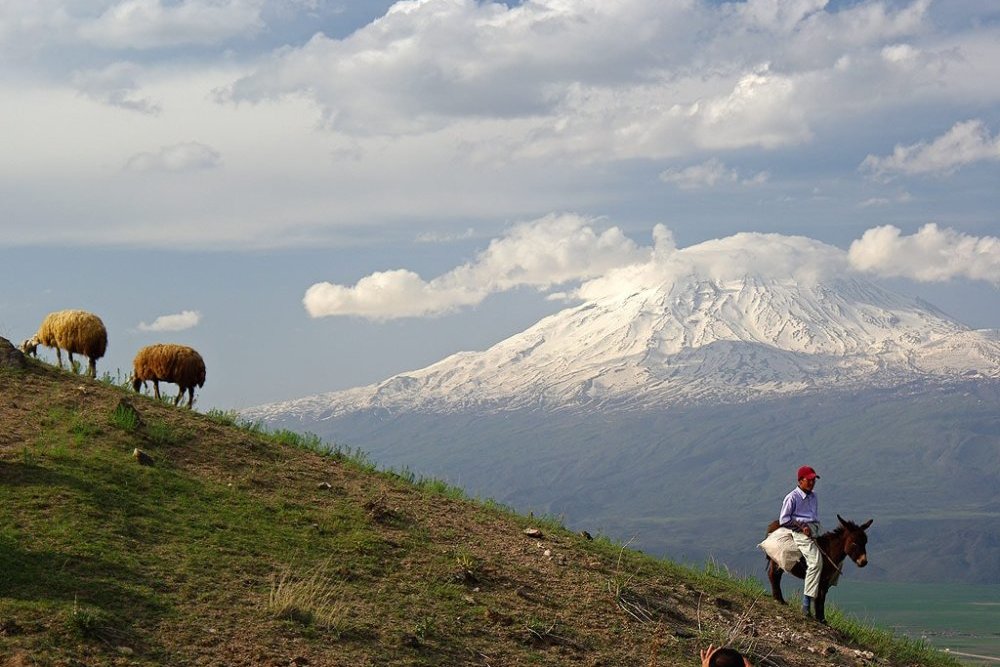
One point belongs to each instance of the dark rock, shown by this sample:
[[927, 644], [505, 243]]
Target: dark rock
[[10, 628], [10, 356]]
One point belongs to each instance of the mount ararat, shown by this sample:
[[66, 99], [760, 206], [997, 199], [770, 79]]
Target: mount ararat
[[671, 404]]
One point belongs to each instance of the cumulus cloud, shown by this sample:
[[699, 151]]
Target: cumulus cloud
[[567, 251], [186, 319], [540, 254], [558, 75], [188, 156], [474, 109], [965, 143], [709, 174], [151, 24], [733, 258], [930, 255]]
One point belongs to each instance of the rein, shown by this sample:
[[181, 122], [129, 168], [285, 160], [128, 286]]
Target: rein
[[827, 556]]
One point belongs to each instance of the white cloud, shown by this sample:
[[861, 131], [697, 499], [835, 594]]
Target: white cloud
[[151, 24], [426, 65], [186, 319], [444, 237], [115, 85], [901, 197], [549, 251], [551, 78], [476, 111], [188, 156], [567, 251], [965, 143], [709, 174], [932, 254], [764, 256]]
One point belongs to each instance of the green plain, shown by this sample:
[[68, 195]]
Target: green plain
[[956, 617]]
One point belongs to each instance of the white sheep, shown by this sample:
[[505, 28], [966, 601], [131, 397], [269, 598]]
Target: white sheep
[[166, 362], [75, 331]]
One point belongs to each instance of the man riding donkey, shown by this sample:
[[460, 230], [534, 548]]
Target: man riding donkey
[[800, 514], [796, 544]]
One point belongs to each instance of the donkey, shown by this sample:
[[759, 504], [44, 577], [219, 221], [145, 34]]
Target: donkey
[[847, 540]]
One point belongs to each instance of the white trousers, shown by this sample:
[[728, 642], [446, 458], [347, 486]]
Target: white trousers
[[814, 562]]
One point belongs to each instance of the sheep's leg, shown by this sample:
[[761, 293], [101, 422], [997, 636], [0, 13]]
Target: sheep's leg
[[180, 395], [156, 389], [190, 397], [59, 357], [92, 367], [70, 359]]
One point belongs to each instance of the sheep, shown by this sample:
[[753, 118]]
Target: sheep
[[75, 331], [179, 364]]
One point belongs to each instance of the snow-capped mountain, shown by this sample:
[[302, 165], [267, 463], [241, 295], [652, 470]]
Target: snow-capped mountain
[[685, 341]]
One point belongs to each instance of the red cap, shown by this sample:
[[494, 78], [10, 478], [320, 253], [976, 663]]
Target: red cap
[[807, 472]]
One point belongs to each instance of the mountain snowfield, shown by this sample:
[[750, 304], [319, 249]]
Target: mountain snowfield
[[686, 341]]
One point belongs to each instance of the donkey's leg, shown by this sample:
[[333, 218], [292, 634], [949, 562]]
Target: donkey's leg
[[774, 576], [820, 603]]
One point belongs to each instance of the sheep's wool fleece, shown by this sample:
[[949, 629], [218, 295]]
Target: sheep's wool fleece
[[167, 362], [76, 331]]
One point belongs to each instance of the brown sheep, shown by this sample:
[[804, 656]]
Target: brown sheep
[[165, 362], [75, 331]]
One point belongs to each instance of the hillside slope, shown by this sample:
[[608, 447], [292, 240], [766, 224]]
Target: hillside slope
[[104, 561]]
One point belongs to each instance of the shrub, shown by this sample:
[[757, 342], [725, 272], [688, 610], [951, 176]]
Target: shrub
[[125, 417]]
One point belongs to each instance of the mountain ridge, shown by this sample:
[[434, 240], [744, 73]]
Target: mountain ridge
[[688, 342]]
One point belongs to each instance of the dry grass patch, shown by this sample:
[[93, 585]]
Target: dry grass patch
[[311, 598]]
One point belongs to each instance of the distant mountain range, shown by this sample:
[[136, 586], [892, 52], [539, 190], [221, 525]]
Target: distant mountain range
[[678, 412]]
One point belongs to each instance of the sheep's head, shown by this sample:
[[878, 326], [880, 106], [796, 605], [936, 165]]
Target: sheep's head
[[136, 383], [30, 346]]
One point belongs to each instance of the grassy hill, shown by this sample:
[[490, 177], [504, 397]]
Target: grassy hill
[[238, 547]]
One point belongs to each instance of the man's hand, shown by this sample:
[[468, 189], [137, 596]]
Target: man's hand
[[806, 530]]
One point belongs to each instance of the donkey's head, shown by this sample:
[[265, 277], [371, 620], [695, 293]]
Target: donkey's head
[[855, 540]]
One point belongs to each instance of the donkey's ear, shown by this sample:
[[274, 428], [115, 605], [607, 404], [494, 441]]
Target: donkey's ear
[[842, 521], [867, 523]]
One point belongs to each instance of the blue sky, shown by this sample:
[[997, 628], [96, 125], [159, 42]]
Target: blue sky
[[320, 194]]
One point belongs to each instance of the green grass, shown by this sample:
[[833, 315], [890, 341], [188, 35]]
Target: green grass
[[126, 418], [207, 533]]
